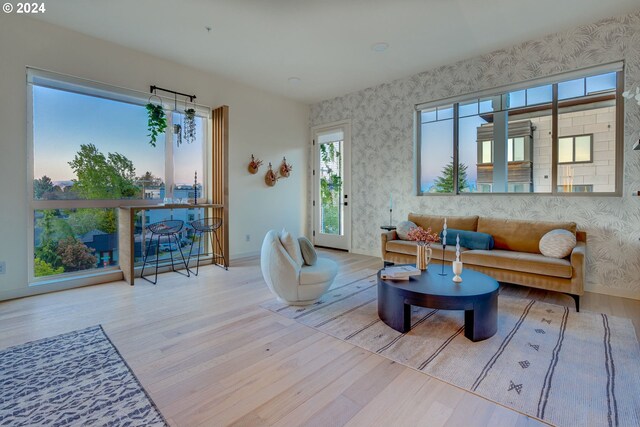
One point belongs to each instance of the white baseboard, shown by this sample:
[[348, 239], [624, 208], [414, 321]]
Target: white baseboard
[[244, 256], [614, 292]]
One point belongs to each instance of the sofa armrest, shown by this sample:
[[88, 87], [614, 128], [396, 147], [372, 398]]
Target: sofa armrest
[[389, 235], [578, 265]]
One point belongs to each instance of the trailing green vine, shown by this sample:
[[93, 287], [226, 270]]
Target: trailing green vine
[[157, 122], [189, 128]]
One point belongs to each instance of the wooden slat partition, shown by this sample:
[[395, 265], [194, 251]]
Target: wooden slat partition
[[220, 173]]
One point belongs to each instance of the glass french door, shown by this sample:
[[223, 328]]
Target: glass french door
[[331, 205]]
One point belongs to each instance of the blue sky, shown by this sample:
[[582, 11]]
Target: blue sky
[[62, 121]]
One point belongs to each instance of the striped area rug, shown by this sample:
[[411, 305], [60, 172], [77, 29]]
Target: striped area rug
[[547, 361], [73, 379]]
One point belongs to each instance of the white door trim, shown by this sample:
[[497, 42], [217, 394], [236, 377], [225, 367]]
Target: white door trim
[[346, 126]]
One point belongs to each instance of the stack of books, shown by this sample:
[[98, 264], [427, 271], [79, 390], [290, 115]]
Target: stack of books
[[402, 272]]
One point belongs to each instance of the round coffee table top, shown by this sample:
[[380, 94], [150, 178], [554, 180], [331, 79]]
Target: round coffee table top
[[474, 284]]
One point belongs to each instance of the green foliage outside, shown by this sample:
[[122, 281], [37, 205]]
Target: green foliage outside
[[99, 176], [444, 183], [330, 187], [103, 177], [42, 268], [42, 187], [47, 253]]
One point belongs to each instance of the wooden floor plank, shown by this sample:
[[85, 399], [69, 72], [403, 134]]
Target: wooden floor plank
[[209, 355]]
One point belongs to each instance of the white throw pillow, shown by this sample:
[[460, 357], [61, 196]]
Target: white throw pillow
[[403, 228], [308, 251], [292, 246], [557, 243]]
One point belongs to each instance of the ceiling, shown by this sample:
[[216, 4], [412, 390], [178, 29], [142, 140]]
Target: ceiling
[[327, 44]]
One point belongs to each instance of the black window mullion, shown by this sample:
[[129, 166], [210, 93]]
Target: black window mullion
[[456, 117], [554, 140]]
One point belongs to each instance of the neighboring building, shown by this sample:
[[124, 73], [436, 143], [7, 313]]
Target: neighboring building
[[586, 148], [105, 246]]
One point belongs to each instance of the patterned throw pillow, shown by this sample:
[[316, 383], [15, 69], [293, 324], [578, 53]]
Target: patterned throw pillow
[[308, 251], [557, 243], [403, 228], [291, 246]]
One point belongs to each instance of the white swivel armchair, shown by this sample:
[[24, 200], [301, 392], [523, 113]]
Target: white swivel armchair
[[292, 283]]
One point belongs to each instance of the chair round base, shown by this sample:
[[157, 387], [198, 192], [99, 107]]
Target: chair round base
[[298, 303]]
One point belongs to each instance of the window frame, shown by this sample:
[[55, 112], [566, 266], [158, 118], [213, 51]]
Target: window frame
[[87, 87], [502, 92], [573, 149]]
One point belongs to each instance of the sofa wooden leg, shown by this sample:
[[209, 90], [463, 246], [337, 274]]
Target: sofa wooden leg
[[576, 298]]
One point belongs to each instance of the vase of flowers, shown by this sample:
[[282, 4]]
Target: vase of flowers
[[424, 238]]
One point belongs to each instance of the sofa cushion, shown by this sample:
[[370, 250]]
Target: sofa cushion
[[469, 239], [437, 222], [403, 228], [324, 270], [408, 247], [519, 235], [557, 243], [519, 261]]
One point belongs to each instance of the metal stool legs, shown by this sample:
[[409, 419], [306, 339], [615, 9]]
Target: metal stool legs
[[164, 228], [146, 255], [208, 225]]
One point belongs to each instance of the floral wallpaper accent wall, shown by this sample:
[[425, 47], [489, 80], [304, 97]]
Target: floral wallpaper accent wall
[[383, 161]]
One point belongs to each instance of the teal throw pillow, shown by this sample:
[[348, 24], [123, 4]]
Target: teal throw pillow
[[469, 239]]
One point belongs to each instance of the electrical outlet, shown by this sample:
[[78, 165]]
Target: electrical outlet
[[3, 267], [247, 238]]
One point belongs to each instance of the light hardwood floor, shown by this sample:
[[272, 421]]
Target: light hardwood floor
[[210, 356]]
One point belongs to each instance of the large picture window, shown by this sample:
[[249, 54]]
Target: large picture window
[[90, 154], [556, 136]]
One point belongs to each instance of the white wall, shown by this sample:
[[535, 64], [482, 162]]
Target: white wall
[[261, 123], [382, 148]]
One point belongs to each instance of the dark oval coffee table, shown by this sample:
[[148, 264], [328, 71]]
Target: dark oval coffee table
[[477, 295]]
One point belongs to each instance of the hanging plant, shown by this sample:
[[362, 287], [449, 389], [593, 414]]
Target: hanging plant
[[189, 126], [157, 122], [177, 130]]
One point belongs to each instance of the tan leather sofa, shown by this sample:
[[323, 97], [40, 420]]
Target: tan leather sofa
[[515, 258]]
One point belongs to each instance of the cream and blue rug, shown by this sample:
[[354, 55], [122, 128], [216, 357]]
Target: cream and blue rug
[[74, 379], [547, 361]]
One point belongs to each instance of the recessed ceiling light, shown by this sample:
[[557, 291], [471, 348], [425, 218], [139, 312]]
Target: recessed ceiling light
[[380, 47], [294, 80]]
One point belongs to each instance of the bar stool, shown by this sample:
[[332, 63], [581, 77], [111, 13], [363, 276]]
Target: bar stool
[[169, 229], [208, 225]]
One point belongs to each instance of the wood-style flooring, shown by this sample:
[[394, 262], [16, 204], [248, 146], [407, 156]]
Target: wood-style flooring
[[210, 356]]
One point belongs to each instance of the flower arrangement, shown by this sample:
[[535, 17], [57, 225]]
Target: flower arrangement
[[422, 236]]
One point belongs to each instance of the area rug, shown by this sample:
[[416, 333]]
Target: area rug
[[547, 361], [74, 379]]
